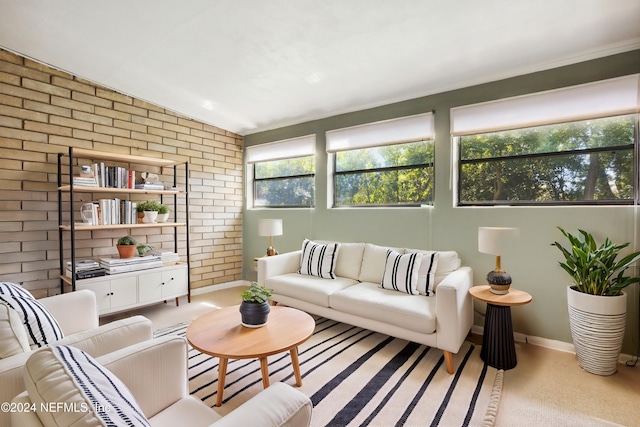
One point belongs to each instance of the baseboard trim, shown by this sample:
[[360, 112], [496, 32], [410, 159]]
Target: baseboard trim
[[221, 286]]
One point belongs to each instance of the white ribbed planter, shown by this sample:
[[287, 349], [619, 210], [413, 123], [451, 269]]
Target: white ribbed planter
[[597, 327]]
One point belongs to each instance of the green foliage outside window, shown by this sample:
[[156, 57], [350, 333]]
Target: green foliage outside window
[[399, 174], [285, 183], [579, 162]]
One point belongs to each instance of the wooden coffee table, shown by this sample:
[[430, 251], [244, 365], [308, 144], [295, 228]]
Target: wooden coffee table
[[221, 335]]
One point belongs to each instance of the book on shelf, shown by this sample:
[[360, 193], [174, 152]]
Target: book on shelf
[[87, 274], [85, 264], [124, 265], [85, 181], [113, 176], [165, 255], [149, 186]]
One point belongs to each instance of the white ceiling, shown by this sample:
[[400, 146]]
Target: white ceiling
[[253, 65]]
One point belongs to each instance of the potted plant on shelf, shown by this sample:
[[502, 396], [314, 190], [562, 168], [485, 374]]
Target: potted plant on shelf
[[143, 248], [597, 303], [254, 308], [126, 247], [150, 210], [163, 213]]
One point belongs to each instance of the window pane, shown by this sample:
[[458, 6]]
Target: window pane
[[415, 153], [282, 168], [284, 192], [597, 176], [607, 132], [584, 161], [408, 186]]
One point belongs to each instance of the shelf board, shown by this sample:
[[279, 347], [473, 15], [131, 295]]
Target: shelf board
[[80, 189], [123, 226], [126, 158]]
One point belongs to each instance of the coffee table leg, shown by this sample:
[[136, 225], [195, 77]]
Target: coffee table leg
[[222, 374], [264, 367], [296, 365]]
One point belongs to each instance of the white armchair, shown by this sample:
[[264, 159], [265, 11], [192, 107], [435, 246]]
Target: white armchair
[[77, 315], [155, 372]]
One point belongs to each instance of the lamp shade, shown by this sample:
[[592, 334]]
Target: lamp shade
[[270, 227], [496, 240]]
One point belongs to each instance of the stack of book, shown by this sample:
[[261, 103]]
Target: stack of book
[[85, 181], [165, 255], [86, 269], [124, 265]]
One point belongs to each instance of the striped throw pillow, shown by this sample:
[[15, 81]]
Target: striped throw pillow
[[401, 272], [42, 329], [93, 395], [318, 259], [14, 290]]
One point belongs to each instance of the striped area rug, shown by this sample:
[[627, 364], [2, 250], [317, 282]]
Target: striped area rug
[[357, 377]]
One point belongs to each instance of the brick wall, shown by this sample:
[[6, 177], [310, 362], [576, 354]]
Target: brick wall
[[43, 111]]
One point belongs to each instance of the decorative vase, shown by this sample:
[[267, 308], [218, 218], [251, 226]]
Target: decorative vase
[[126, 251], [597, 327], [254, 314], [150, 217], [163, 217]]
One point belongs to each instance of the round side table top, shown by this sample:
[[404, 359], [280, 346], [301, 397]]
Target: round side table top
[[221, 334], [514, 297]]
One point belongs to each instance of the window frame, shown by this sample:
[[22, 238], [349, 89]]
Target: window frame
[[256, 181]]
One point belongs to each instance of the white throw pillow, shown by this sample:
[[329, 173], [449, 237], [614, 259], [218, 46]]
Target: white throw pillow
[[13, 336], [427, 274], [401, 272], [83, 392], [41, 328], [318, 259]]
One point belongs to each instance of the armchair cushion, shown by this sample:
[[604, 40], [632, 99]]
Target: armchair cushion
[[41, 327], [68, 376]]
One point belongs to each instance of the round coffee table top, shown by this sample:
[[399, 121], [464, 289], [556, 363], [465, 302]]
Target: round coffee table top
[[514, 297], [221, 334]]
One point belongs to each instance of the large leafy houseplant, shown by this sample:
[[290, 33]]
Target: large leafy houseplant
[[594, 268]]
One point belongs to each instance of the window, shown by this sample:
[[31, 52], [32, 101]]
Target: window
[[388, 163], [283, 173], [570, 146]]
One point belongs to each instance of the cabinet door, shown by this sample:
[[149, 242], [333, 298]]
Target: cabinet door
[[174, 282], [150, 287], [102, 289], [124, 291]]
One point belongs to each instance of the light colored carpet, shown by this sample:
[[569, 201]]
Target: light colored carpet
[[356, 377]]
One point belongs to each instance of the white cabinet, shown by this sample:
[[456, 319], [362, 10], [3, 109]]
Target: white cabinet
[[127, 290], [155, 285]]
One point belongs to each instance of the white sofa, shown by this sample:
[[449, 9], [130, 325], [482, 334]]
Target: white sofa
[[155, 373], [77, 315], [355, 297]]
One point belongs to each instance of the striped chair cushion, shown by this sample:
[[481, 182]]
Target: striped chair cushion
[[42, 329], [318, 259], [72, 379], [401, 272]]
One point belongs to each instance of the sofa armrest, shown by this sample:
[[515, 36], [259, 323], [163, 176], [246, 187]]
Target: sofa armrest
[[111, 336], [454, 309], [155, 371], [74, 311], [278, 264], [278, 405]]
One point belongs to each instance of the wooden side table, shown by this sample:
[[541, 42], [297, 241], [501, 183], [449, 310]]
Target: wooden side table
[[498, 346]]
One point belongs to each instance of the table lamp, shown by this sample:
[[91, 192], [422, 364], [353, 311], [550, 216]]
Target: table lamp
[[270, 228], [497, 241]]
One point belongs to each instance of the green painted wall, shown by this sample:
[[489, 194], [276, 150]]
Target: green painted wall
[[533, 268]]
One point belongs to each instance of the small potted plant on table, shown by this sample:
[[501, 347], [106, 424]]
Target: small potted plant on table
[[254, 308], [126, 247]]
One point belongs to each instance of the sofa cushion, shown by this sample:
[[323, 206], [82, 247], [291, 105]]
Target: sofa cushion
[[14, 290], [448, 262], [64, 375], [401, 272], [13, 336], [318, 259], [312, 289], [368, 300], [41, 327], [427, 273], [349, 259], [374, 258]]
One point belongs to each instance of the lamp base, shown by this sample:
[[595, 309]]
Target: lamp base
[[499, 281], [272, 251]]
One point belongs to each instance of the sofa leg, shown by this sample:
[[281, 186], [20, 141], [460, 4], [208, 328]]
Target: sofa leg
[[448, 359]]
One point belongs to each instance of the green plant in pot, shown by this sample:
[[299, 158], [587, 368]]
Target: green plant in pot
[[596, 301], [126, 247], [150, 210], [254, 308], [143, 248], [163, 213]]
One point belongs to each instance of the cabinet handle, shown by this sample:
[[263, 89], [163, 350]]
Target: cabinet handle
[[162, 283]]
